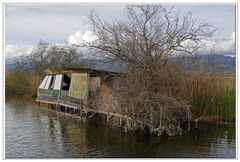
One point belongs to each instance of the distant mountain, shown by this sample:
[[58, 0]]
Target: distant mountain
[[9, 66], [223, 63], [227, 63]]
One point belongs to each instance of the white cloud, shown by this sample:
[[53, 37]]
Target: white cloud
[[224, 46], [79, 36], [14, 50]]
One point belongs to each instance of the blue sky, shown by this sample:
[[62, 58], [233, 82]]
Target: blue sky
[[25, 24]]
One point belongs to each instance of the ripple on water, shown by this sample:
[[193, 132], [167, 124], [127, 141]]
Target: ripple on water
[[42, 133]]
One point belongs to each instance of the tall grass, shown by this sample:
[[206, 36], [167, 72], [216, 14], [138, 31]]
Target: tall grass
[[211, 96], [225, 101], [20, 82]]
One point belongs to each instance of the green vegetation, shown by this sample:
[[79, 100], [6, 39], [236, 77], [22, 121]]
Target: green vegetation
[[211, 96], [225, 100], [20, 82]]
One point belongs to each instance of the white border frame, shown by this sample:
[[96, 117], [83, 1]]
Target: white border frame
[[117, 2]]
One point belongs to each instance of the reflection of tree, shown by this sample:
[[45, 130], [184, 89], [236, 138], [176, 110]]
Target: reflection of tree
[[206, 141], [55, 131], [77, 135], [68, 136], [20, 104]]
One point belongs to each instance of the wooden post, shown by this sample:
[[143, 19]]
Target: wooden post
[[120, 118], [107, 115], [80, 113], [120, 121], [59, 92]]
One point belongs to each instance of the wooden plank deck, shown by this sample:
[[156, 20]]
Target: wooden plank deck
[[62, 100]]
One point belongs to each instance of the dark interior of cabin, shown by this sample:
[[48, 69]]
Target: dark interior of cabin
[[66, 82]]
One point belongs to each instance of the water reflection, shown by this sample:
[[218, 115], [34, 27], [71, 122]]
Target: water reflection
[[39, 132]]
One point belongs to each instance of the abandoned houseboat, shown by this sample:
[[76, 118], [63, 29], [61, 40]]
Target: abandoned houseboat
[[74, 87]]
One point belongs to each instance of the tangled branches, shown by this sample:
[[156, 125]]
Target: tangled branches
[[159, 113], [145, 42]]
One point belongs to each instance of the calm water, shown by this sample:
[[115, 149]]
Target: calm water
[[41, 133]]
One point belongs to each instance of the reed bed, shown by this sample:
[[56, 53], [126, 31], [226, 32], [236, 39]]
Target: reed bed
[[211, 95]]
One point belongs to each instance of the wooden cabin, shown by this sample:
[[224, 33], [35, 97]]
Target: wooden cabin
[[74, 87]]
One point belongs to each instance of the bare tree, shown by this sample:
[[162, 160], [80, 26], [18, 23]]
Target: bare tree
[[47, 55], [145, 41], [150, 33]]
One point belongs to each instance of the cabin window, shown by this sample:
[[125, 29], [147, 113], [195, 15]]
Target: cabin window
[[66, 82]]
